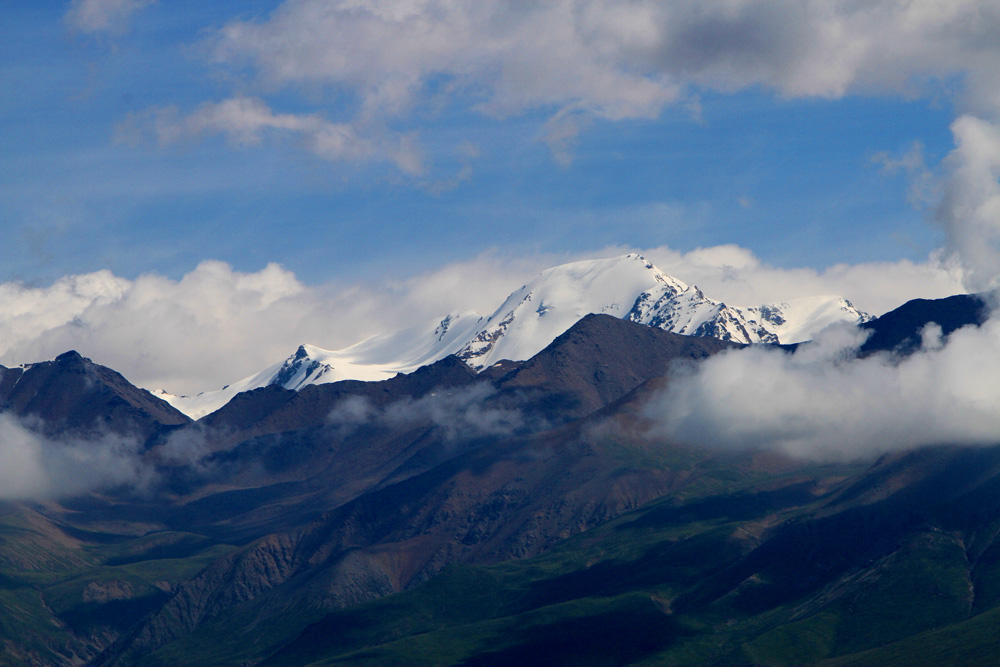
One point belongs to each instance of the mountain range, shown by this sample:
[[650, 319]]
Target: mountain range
[[477, 510], [628, 287]]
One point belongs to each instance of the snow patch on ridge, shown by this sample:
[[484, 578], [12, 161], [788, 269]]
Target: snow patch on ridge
[[376, 358]]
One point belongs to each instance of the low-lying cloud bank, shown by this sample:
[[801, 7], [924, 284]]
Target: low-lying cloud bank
[[217, 325], [38, 465], [823, 402], [33, 466]]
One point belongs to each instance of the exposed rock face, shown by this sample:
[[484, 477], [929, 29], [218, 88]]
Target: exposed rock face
[[105, 591]]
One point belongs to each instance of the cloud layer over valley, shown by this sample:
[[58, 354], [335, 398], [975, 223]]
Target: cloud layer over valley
[[38, 467], [824, 402]]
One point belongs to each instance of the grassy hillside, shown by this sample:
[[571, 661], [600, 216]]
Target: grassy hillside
[[622, 594]]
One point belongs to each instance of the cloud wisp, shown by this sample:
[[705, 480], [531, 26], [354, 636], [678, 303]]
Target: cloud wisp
[[823, 402], [103, 16], [246, 121], [457, 414]]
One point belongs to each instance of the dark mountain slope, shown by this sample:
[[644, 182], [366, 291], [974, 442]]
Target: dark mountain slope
[[596, 361], [514, 499], [73, 393], [276, 410], [519, 517], [295, 456], [789, 571], [899, 329], [599, 360], [404, 498]]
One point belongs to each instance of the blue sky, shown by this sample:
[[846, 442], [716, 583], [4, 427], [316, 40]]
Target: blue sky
[[433, 154], [790, 177]]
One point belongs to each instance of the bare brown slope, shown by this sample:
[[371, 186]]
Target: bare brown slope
[[270, 410], [599, 360], [512, 499], [73, 393], [430, 499]]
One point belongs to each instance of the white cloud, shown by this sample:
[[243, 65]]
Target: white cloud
[[179, 334], [735, 275], [29, 311], [246, 121], [970, 208], [965, 196], [506, 56], [384, 63], [107, 16], [33, 466], [614, 59], [821, 402], [216, 325]]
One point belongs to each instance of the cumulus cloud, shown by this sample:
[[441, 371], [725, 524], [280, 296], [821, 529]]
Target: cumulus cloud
[[216, 325], [964, 193], [970, 208], [376, 67], [609, 59], [735, 275], [33, 466], [103, 16], [507, 56], [28, 311], [155, 329], [823, 402], [615, 59]]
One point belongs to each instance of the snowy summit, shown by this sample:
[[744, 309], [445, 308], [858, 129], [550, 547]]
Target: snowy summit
[[627, 287]]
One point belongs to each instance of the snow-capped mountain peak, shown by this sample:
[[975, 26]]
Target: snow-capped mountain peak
[[375, 358], [628, 287], [556, 299], [302, 368]]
